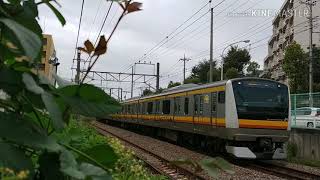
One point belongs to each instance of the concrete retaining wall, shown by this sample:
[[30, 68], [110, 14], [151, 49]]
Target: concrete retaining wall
[[308, 143]]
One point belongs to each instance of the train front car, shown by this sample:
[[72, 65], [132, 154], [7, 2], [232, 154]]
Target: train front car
[[257, 114]]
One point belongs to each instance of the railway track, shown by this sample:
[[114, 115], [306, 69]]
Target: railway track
[[282, 171], [155, 162]]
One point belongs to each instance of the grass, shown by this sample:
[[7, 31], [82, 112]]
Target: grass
[[127, 166], [312, 163]]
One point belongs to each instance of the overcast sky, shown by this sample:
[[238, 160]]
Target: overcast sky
[[140, 31]]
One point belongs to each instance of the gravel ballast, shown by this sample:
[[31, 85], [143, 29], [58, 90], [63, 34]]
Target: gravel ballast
[[173, 152]]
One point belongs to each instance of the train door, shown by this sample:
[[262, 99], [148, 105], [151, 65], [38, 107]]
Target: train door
[[199, 109], [213, 109]]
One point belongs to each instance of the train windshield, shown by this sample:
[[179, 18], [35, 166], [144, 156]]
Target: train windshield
[[261, 99]]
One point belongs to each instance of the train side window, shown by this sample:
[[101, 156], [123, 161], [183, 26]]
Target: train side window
[[157, 107], [166, 107], [214, 102], [221, 97], [177, 105], [186, 106], [201, 104], [150, 107], [145, 107], [196, 102], [129, 109]]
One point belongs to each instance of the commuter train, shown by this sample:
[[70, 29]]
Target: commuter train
[[245, 117]]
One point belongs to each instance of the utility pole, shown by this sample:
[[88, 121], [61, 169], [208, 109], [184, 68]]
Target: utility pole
[[77, 79], [158, 77], [211, 47], [132, 82], [184, 59], [310, 4]]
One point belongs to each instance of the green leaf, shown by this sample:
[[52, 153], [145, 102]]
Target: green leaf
[[209, 167], [23, 131], [30, 84], [31, 8], [69, 165], [85, 91], [90, 109], [91, 170], [57, 13], [14, 158], [88, 100], [61, 82], [50, 166], [54, 110], [223, 165], [103, 154], [10, 81], [44, 80], [30, 42]]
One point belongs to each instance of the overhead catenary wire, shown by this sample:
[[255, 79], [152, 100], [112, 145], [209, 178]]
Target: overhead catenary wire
[[177, 28], [103, 23], [94, 19]]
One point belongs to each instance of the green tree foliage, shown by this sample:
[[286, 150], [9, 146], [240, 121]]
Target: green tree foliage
[[316, 69], [232, 73], [191, 80], [295, 65], [267, 75], [253, 69], [173, 84], [147, 92], [236, 58], [200, 73]]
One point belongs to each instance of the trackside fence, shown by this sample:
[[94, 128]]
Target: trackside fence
[[302, 112]]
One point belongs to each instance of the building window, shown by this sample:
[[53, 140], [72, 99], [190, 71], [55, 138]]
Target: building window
[[186, 106], [44, 54], [44, 41], [166, 107], [40, 66]]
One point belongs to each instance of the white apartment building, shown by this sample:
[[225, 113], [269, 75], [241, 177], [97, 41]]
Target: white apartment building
[[291, 24]]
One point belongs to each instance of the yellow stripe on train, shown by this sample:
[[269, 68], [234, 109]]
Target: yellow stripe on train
[[243, 123]]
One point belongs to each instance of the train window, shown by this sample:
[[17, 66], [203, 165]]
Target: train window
[[157, 107], [166, 107], [196, 103], [135, 108], [150, 107], [221, 97], [186, 106], [214, 102], [177, 105], [201, 104], [145, 106]]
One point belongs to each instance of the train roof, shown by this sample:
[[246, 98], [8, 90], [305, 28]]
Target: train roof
[[183, 88]]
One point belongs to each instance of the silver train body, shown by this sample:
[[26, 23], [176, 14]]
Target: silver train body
[[248, 117]]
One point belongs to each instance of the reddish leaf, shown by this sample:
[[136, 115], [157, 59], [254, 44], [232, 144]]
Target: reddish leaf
[[89, 46], [135, 6], [101, 47]]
